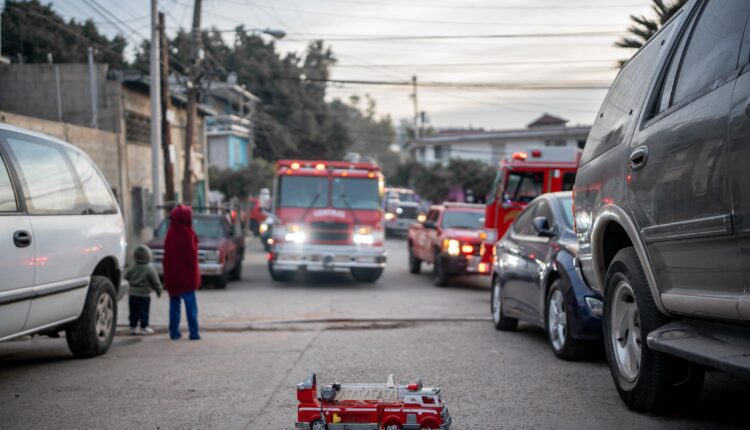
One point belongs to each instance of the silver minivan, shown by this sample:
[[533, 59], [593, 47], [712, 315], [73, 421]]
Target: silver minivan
[[62, 243]]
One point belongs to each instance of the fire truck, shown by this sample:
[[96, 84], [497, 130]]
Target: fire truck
[[519, 180], [328, 218], [370, 406]]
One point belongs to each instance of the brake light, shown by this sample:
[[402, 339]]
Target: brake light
[[483, 268], [467, 249]]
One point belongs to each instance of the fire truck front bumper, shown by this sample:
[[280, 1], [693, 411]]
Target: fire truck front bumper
[[327, 258]]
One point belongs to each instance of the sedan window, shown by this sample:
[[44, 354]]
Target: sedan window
[[522, 224]]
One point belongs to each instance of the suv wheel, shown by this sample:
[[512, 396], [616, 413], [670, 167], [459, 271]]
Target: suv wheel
[[557, 323], [278, 275], [646, 380], [92, 333], [439, 277], [500, 322], [415, 264], [236, 273]]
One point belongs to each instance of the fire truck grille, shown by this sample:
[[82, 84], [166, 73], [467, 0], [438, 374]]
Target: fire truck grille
[[338, 226], [329, 236], [408, 212]]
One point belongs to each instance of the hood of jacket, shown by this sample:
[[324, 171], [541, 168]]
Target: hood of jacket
[[142, 254]]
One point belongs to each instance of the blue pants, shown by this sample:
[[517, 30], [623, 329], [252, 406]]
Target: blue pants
[[139, 309], [191, 311]]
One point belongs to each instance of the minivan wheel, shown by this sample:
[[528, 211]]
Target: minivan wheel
[[92, 333], [500, 322], [646, 380], [557, 323]]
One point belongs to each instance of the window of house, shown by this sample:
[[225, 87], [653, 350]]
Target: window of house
[[49, 183], [438, 152], [7, 195], [554, 142]]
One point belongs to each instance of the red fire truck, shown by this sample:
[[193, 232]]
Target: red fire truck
[[526, 175], [328, 218], [370, 407]]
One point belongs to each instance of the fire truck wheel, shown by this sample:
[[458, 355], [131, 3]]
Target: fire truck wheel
[[557, 322], [279, 276], [366, 275], [392, 426], [415, 264], [317, 425], [500, 321], [439, 277]]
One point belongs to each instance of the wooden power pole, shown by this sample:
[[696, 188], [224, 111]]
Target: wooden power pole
[[166, 104], [193, 89]]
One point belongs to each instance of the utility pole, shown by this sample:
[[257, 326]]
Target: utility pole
[[92, 88], [416, 106], [155, 113], [193, 88], [166, 135]]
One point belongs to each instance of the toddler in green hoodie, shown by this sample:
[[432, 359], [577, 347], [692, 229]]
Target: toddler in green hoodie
[[142, 278]]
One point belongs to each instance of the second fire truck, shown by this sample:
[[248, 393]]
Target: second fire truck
[[328, 219], [526, 175]]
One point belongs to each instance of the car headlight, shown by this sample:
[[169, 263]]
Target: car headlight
[[452, 247], [422, 218], [389, 216], [212, 256], [364, 235]]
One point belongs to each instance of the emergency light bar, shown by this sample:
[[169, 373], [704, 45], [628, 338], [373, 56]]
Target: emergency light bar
[[323, 165]]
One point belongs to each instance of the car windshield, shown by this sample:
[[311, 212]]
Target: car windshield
[[567, 210], [302, 192], [463, 219], [208, 227], [355, 193]]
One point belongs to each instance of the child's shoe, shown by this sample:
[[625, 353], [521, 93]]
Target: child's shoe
[[147, 331], [134, 331]]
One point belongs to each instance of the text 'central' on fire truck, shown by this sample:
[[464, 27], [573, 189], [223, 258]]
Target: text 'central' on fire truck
[[328, 219]]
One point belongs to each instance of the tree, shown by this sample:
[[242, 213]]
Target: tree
[[242, 183], [645, 27], [32, 30]]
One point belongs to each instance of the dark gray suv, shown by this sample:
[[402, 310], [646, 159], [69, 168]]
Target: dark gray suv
[[662, 207]]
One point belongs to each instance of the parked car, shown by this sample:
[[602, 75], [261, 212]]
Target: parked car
[[662, 208], [449, 239], [221, 247], [62, 243], [536, 278]]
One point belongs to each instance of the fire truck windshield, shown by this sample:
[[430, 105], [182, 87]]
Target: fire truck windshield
[[355, 193], [302, 192], [523, 187]]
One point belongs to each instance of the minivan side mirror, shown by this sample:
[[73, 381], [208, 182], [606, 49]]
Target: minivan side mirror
[[430, 224], [541, 227]]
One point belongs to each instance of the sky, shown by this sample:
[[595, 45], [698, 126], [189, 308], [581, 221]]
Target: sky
[[390, 55]]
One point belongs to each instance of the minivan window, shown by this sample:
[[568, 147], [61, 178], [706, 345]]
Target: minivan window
[[49, 184], [713, 48], [95, 188], [7, 195]]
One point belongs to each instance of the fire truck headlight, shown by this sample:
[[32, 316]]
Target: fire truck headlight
[[452, 247], [294, 234], [363, 236]]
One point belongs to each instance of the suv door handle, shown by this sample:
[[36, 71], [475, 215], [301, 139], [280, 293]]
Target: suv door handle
[[22, 238], [638, 158]]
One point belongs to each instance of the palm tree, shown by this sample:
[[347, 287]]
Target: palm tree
[[645, 27]]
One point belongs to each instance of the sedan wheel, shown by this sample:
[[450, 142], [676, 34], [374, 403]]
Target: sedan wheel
[[557, 320], [500, 322]]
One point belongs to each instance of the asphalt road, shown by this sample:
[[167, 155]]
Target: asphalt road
[[260, 339]]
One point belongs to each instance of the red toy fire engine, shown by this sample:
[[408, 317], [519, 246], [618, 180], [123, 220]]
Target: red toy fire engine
[[370, 406]]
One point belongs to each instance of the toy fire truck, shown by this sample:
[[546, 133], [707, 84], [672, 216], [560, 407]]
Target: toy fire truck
[[370, 406]]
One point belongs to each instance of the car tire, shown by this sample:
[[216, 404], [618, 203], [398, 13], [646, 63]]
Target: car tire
[[415, 264], [439, 277], [279, 276], [367, 276], [557, 318], [500, 321], [92, 333], [646, 380], [220, 282], [236, 273]]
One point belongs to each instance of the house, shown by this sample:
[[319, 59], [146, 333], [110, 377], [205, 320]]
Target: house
[[491, 146], [115, 130]]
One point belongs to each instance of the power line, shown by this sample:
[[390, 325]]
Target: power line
[[483, 64], [471, 36], [504, 7], [529, 86]]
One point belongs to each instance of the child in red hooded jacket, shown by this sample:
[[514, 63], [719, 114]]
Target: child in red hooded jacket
[[181, 273]]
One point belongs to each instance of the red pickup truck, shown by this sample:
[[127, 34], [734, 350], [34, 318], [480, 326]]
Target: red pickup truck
[[449, 239]]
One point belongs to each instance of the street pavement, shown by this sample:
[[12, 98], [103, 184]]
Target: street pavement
[[261, 338]]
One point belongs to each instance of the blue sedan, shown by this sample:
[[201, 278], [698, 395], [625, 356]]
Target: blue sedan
[[536, 278]]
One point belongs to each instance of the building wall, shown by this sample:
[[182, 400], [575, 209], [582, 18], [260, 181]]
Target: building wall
[[218, 152]]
